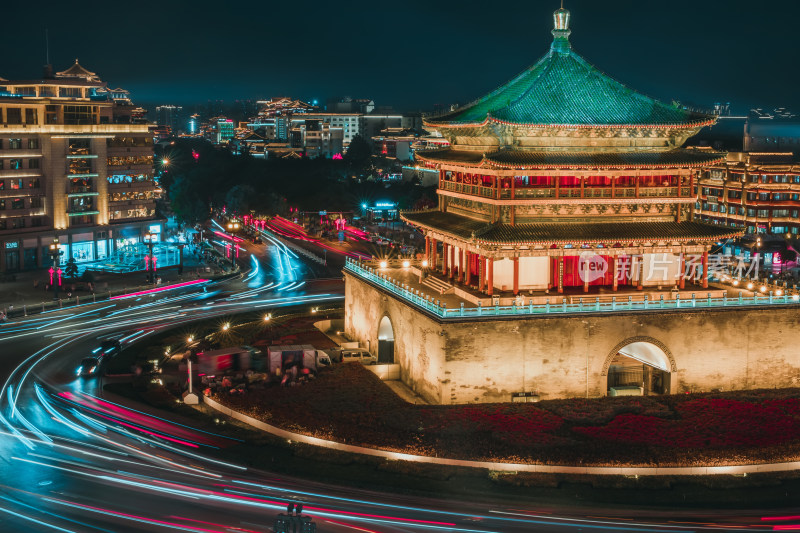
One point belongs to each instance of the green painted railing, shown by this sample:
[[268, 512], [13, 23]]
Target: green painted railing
[[584, 305]]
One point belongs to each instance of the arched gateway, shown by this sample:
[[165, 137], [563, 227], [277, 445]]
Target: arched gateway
[[385, 341], [639, 366]]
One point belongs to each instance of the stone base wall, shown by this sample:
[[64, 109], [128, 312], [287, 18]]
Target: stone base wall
[[563, 357]]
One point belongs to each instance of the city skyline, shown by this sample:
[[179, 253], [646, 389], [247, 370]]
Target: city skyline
[[193, 53]]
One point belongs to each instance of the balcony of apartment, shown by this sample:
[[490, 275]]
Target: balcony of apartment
[[21, 173], [65, 131]]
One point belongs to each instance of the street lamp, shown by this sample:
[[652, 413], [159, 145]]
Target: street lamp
[[233, 227], [55, 270], [149, 239]]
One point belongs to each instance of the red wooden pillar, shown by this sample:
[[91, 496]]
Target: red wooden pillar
[[558, 184], [638, 179], [561, 274], [465, 270], [433, 259], [682, 273], [615, 278], [680, 185], [427, 248], [481, 273], [491, 276], [705, 269], [516, 275], [640, 273], [613, 187], [452, 265], [585, 277], [583, 186]]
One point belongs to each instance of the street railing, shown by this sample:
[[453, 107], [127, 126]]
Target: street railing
[[584, 305]]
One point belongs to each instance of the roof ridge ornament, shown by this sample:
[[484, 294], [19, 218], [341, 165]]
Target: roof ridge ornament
[[561, 31]]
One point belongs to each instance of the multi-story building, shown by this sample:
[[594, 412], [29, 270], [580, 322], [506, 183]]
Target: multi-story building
[[74, 165], [317, 139], [170, 117], [562, 260], [757, 187], [351, 124]]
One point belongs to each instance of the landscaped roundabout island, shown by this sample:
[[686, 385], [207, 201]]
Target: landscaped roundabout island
[[346, 403]]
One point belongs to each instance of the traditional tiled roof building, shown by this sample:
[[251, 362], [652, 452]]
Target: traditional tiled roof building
[[563, 161]]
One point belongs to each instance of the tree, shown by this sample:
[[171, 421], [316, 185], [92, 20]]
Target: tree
[[71, 269], [358, 154]]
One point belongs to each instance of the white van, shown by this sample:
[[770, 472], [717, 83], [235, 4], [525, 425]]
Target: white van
[[359, 356]]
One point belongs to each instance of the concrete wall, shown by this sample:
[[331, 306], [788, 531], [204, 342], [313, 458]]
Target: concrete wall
[[562, 357], [419, 347]]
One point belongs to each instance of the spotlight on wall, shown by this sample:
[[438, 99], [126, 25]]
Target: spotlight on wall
[[779, 293], [425, 264], [796, 297], [763, 288], [736, 283], [750, 286], [406, 264], [267, 317], [384, 264]]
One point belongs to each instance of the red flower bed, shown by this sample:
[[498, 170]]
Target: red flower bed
[[707, 422]]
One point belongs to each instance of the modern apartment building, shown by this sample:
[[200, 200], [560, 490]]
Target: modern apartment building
[[76, 164]]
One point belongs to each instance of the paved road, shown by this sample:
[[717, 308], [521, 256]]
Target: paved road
[[71, 460]]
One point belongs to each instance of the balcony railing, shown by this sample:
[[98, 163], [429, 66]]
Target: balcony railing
[[524, 193], [584, 306]]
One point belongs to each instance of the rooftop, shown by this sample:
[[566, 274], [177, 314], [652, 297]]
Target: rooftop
[[564, 89], [608, 233], [518, 159]]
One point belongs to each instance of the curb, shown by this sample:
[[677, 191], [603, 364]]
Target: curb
[[509, 467]]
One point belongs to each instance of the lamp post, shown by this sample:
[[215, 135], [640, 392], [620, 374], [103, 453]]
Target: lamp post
[[180, 259], [233, 227], [55, 270], [149, 239]]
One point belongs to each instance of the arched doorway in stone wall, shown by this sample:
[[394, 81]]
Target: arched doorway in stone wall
[[639, 366], [385, 341]]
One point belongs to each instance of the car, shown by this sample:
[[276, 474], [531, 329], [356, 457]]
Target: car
[[109, 347], [360, 356], [90, 366], [257, 240]]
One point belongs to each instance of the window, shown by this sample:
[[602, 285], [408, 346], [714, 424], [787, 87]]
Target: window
[[18, 203], [15, 184], [17, 223], [763, 213], [13, 115], [33, 163], [15, 144], [31, 116], [34, 183], [33, 144], [2, 204], [36, 201], [2, 184], [14, 164], [37, 221]]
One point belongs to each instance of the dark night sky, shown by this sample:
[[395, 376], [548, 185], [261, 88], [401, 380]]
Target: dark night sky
[[410, 54]]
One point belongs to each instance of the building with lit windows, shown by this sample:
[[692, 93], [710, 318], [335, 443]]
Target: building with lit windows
[[169, 119], [76, 164], [562, 259], [316, 138]]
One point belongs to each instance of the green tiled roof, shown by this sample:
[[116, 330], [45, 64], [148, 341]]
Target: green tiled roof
[[562, 88], [568, 232], [532, 160]]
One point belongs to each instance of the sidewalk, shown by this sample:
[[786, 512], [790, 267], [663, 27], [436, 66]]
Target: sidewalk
[[28, 292]]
